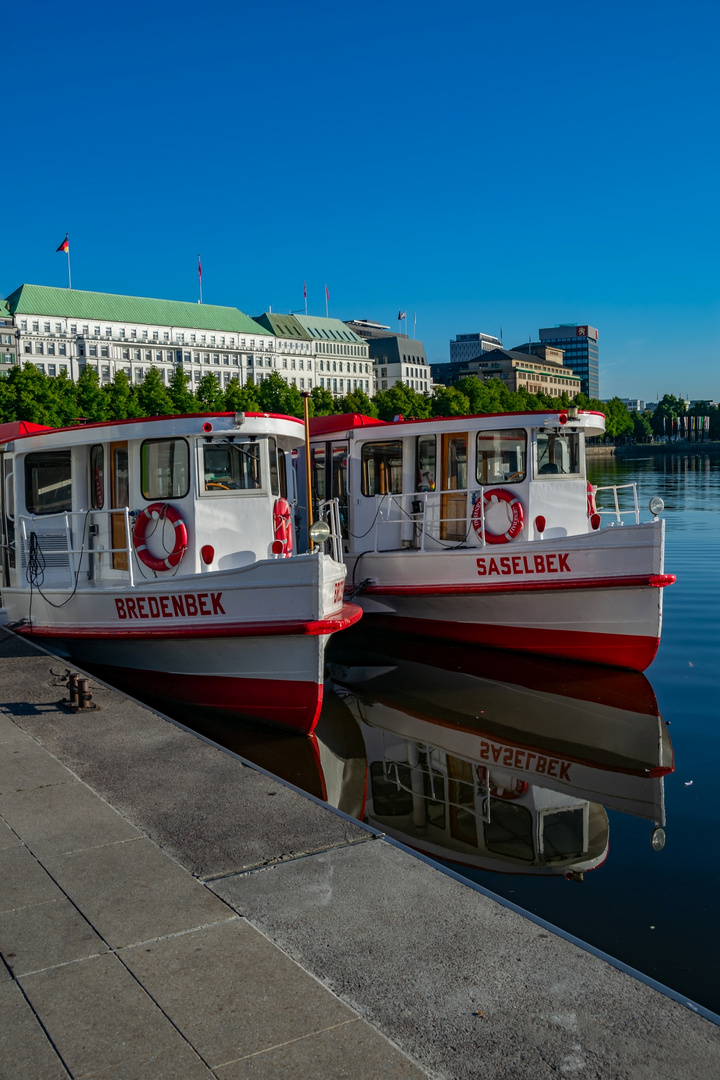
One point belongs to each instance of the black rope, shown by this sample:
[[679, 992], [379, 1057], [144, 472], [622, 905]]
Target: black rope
[[35, 569]]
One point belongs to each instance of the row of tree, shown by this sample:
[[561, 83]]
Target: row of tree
[[27, 394]]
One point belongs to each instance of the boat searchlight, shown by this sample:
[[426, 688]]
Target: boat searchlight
[[656, 506], [319, 532]]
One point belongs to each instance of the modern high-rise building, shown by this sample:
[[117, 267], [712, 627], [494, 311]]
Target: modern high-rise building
[[468, 347], [580, 345]]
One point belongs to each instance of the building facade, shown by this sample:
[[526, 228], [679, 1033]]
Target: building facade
[[341, 360], [468, 347], [544, 374], [580, 346], [396, 357]]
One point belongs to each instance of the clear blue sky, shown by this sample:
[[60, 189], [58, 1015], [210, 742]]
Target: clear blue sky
[[485, 165]]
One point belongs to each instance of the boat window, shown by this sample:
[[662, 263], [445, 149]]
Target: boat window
[[282, 469], [274, 467], [510, 830], [426, 462], [563, 833], [317, 472], [97, 477], [232, 467], [165, 468], [47, 482], [382, 468], [501, 456], [391, 789], [558, 454]]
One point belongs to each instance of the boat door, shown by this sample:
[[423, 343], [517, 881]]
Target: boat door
[[338, 485], [454, 486], [119, 499]]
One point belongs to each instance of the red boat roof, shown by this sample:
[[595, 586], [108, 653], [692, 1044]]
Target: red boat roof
[[15, 428], [20, 428], [326, 425]]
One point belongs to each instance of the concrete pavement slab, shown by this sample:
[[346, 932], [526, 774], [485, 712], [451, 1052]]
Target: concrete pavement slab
[[104, 1024], [254, 997], [63, 818], [212, 813], [469, 987], [24, 764], [132, 892], [45, 935], [23, 881], [350, 1051], [25, 1051], [7, 837]]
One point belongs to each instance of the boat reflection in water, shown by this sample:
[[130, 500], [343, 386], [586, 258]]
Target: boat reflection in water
[[477, 757]]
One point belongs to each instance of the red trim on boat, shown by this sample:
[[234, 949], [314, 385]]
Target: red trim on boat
[[635, 652], [349, 614], [655, 581], [287, 704], [150, 420]]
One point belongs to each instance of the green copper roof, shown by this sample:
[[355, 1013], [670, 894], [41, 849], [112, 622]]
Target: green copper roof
[[328, 329], [285, 326], [76, 304]]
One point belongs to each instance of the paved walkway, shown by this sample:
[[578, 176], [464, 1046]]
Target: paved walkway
[[168, 912]]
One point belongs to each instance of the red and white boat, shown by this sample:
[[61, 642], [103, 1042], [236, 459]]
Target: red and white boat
[[161, 554], [485, 530]]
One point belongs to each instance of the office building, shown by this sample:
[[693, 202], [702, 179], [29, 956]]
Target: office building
[[396, 357], [545, 374], [580, 346], [468, 347]]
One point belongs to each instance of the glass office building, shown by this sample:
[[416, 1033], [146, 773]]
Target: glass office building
[[580, 346]]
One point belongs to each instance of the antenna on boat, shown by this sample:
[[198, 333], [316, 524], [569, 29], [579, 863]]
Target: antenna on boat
[[308, 481]]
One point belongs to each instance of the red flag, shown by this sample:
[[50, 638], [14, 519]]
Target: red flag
[[305, 290], [65, 246], [199, 268], [327, 294]]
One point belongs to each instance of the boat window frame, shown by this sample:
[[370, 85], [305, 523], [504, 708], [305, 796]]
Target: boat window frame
[[518, 477], [562, 433], [142, 485], [29, 460], [364, 457], [97, 483], [235, 441]]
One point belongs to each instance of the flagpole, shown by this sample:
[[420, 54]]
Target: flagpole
[[327, 297], [199, 278], [68, 255]]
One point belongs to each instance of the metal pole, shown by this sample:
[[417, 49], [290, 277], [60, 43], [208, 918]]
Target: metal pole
[[308, 480]]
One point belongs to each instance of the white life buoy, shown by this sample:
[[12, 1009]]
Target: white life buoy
[[514, 508]]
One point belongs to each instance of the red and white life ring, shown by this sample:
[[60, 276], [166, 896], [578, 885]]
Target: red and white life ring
[[592, 511], [516, 515], [282, 522], [154, 513], [519, 788]]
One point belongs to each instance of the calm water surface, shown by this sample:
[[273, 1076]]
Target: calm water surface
[[654, 909]]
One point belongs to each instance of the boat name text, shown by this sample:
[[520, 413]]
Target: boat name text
[[524, 759], [524, 564], [176, 606]]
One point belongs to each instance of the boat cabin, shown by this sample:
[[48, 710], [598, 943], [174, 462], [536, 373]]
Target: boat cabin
[[121, 502], [456, 481]]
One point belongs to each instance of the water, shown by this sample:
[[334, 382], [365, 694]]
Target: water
[[653, 909]]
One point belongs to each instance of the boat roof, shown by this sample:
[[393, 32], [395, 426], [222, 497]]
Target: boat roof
[[185, 424], [593, 423]]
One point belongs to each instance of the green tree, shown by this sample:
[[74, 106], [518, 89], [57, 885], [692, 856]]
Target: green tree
[[356, 401], [209, 393], [122, 403], [277, 396], [402, 400], [667, 412], [91, 400], [642, 428], [241, 398], [152, 395], [618, 421], [449, 401], [65, 392], [7, 399], [322, 403], [180, 392], [35, 400]]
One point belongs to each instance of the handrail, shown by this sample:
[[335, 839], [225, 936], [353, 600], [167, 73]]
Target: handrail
[[64, 519], [329, 511], [617, 513], [420, 518]]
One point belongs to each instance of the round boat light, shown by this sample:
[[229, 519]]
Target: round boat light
[[540, 523], [656, 506], [657, 840], [277, 547], [319, 532], [207, 427], [563, 418], [207, 553]]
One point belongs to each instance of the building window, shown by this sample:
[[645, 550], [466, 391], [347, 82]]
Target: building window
[[36, 327], [62, 349], [105, 350], [39, 348]]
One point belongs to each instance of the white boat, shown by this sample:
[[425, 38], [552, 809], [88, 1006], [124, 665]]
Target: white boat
[[160, 554], [485, 530]]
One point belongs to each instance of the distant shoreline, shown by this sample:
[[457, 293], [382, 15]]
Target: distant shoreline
[[652, 449]]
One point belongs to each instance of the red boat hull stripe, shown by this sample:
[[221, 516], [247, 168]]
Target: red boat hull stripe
[[618, 650], [655, 581]]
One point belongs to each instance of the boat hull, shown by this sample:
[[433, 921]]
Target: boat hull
[[596, 598]]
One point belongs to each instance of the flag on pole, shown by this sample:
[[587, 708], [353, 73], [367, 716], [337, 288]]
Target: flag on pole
[[305, 290], [199, 268], [327, 294], [65, 246], [402, 315]]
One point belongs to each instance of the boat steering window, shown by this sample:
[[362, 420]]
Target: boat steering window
[[426, 462], [232, 466], [501, 456], [165, 468], [97, 477], [48, 488], [558, 453], [382, 468]]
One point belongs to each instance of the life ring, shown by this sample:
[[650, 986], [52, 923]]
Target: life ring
[[282, 521], [592, 511], [519, 788], [516, 511], [167, 512]]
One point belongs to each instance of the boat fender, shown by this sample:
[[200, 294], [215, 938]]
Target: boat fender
[[159, 512], [282, 521], [516, 512], [592, 512]]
